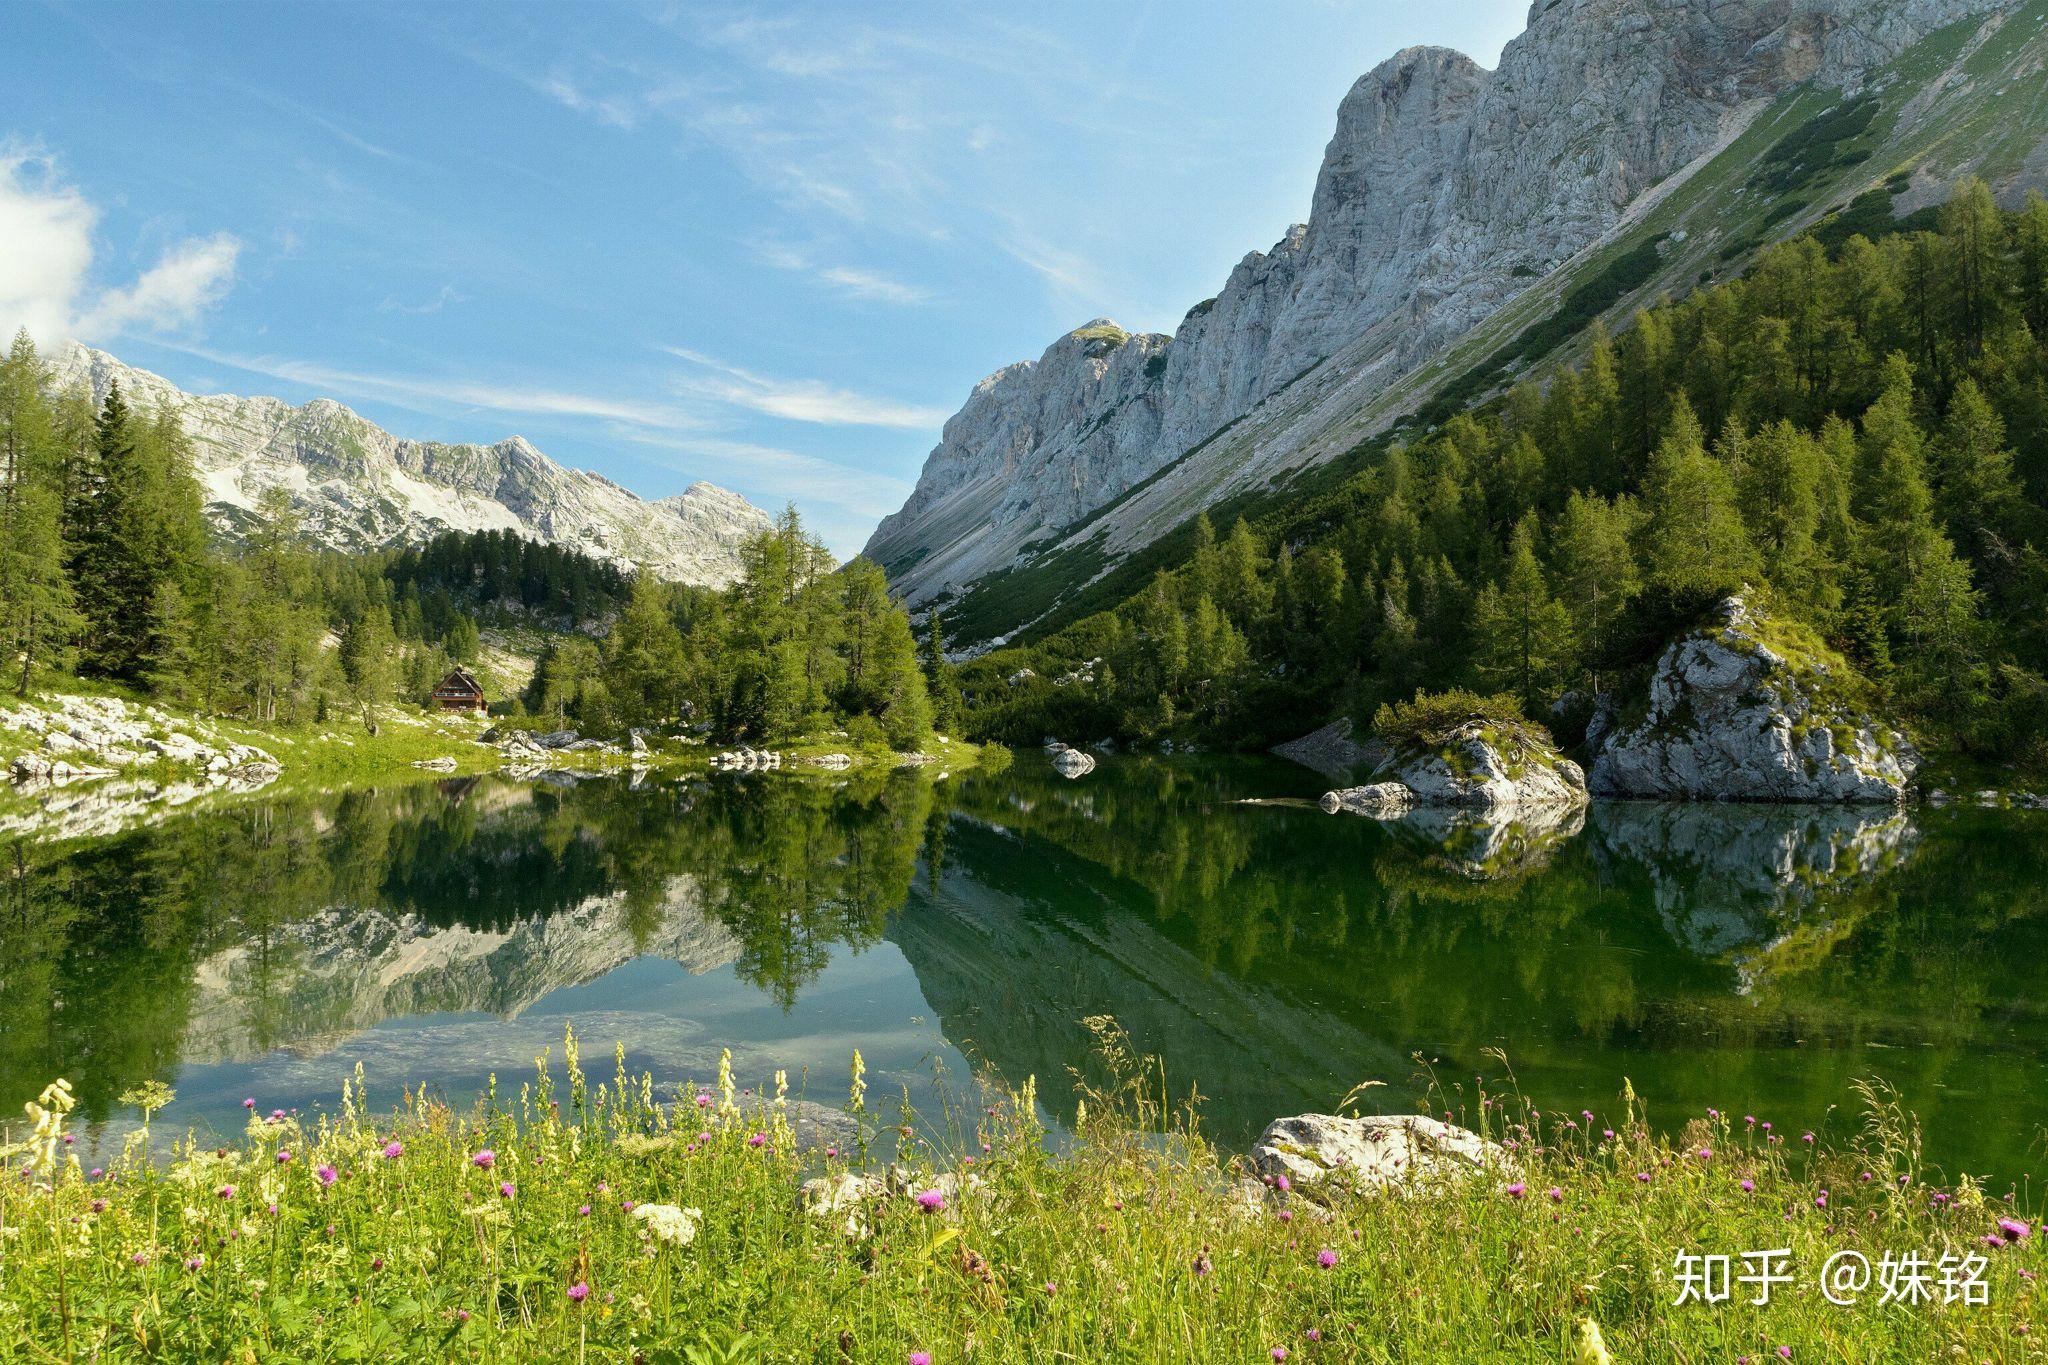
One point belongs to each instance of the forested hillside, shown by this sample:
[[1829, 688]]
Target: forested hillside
[[108, 573], [1858, 429]]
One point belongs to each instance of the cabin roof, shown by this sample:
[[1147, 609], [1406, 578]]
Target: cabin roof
[[460, 679]]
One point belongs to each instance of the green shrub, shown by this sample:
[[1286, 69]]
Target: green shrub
[[1426, 720]]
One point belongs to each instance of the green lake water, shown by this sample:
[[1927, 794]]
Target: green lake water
[[1760, 960]]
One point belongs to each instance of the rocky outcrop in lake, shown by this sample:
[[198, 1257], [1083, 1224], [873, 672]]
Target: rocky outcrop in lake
[[1478, 764], [1751, 707]]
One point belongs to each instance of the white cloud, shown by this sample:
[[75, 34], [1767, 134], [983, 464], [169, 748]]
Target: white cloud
[[193, 275], [48, 231], [45, 272], [798, 400]]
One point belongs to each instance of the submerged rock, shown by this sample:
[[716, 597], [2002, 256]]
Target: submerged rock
[[1752, 709], [1377, 1152], [1332, 751]]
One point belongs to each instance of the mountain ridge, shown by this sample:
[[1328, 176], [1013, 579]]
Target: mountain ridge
[[358, 487], [1452, 202]]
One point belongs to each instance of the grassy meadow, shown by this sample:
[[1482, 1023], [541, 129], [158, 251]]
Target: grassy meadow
[[625, 1219]]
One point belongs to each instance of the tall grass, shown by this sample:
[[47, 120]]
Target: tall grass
[[521, 1230]]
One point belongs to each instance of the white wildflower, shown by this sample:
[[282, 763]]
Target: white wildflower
[[677, 1227]]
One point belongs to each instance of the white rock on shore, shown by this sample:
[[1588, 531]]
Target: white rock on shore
[[1382, 1151]]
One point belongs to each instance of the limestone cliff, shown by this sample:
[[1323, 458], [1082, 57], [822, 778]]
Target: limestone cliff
[[1447, 193]]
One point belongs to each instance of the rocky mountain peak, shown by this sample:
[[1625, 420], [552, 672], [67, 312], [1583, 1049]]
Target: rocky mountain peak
[[358, 487]]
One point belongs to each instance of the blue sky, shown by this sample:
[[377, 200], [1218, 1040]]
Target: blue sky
[[771, 247]]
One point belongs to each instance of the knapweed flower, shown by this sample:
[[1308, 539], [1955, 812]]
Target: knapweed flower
[[327, 1174], [931, 1200], [756, 1139], [507, 1189], [194, 1262], [1785, 1352], [2014, 1229], [1327, 1259], [1554, 1194], [703, 1100], [583, 1211], [1747, 1186], [226, 1191], [283, 1157], [920, 1358], [669, 1224], [393, 1150], [1706, 1154], [1314, 1334], [140, 1258], [1820, 1201], [1278, 1353], [1806, 1138], [1282, 1183], [1643, 1176], [1202, 1265], [99, 1206], [249, 1103], [579, 1291], [484, 1160], [1517, 1190]]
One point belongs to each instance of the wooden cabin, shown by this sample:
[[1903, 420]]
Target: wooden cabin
[[460, 691]]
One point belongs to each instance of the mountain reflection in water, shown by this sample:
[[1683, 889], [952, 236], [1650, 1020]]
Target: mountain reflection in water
[[1759, 959]]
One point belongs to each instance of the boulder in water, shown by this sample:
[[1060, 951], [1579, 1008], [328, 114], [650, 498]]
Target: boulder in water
[[1488, 763], [1752, 708]]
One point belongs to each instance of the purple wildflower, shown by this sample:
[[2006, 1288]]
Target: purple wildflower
[[931, 1200], [507, 1188], [579, 1291], [1326, 1258], [484, 1160], [393, 1150], [249, 1104], [920, 1358], [2014, 1229], [1517, 1190], [327, 1174]]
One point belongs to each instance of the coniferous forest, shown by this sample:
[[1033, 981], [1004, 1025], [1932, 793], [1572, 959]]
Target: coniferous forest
[[1859, 433], [109, 572]]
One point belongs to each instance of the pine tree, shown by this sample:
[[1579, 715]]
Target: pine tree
[[1596, 573], [1522, 633], [1695, 543], [645, 663], [37, 615], [1978, 491]]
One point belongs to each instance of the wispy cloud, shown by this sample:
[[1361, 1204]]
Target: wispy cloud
[[442, 298], [45, 271], [441, 395], [798, 400], [855, 282], [857, 491]]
